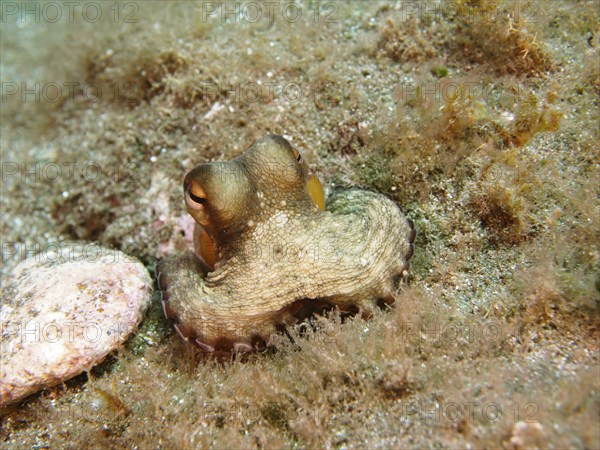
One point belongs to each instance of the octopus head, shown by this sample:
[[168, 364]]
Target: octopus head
[[223, 197], [216, 195]]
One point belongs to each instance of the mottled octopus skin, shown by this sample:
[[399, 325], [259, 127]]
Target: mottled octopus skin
[[278, 254]]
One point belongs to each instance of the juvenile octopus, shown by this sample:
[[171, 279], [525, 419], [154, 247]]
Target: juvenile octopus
[[278, 256]]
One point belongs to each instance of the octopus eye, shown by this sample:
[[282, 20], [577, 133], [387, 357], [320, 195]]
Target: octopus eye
[[195, 196], [297, 155], [197, 199]]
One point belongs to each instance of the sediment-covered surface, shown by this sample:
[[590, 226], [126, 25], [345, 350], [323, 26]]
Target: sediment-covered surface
[[480, 119]]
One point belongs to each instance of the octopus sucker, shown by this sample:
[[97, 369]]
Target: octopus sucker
[[282, 258], [165, 306]]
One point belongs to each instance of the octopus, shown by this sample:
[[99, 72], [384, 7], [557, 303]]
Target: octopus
[[269, 252]]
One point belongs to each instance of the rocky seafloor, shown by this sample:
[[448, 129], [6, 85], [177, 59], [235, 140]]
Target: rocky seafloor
[[480, 119]]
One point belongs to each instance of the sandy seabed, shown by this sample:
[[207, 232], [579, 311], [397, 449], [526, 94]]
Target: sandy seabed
[[480, 119]]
